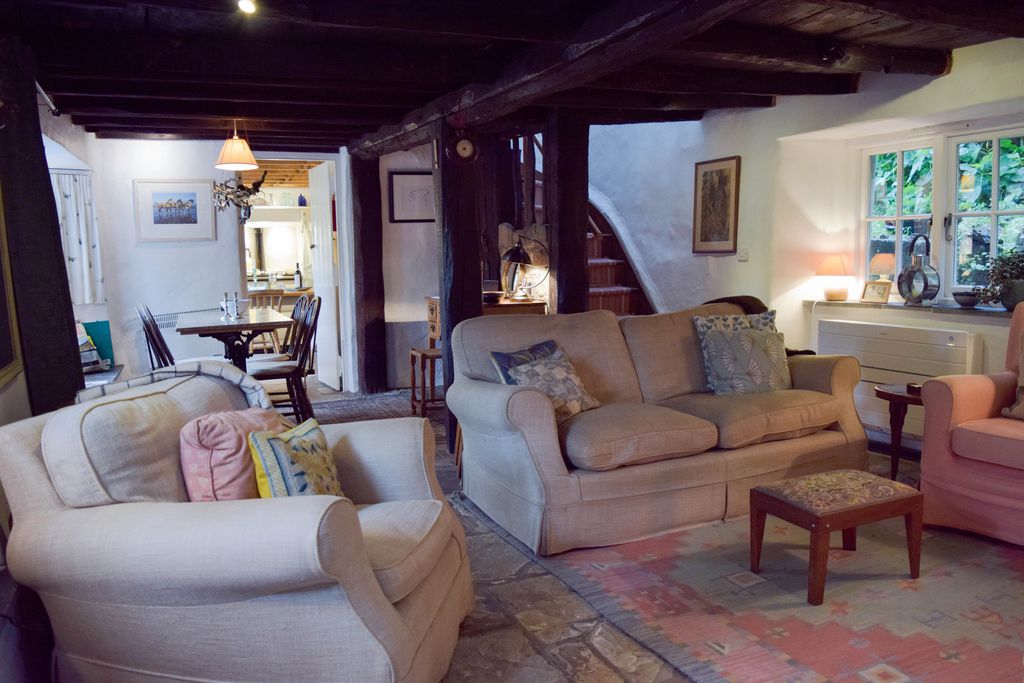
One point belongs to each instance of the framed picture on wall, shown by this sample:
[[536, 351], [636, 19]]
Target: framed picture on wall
[[716, 201], [410, 196], [10, 347], [174, 211]]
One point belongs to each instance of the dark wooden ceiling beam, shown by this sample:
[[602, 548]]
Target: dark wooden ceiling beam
[[467, 20], [726, 82], [761, 47], [620, 34], [221, 92], [217, 134], [99, 105], [999, 17], [614, 117], [593, 98], [280, 146], [222, 124], [256, 60]]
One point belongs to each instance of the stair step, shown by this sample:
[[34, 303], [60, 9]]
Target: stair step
[[604, 271], [615, 298], [593, 246]]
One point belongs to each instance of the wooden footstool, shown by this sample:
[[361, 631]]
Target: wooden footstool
[[834, 501]]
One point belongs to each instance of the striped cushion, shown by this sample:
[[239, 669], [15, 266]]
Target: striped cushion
[[294, 463]]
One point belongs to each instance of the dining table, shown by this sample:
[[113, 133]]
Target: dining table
[[235, 333]]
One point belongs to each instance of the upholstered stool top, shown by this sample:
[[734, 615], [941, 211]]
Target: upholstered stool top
[[827, 492]]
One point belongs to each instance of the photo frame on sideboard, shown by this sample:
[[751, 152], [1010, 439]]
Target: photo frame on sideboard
[[876, 291], [716, 202]]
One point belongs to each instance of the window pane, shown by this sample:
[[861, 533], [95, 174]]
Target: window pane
[[1011, 233], [973, 244], [883, 184], [917, 181], [910, 228], [974, 192], [1011, 173], [882, 240]]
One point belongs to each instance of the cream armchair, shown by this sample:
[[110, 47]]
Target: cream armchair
[[371, 587]]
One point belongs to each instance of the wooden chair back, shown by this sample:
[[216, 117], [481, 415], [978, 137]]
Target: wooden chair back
[[160, 355], [266, 298], [298, 312], [306, 335]]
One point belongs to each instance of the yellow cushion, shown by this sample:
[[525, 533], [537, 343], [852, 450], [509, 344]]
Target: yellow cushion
[[294, 463]]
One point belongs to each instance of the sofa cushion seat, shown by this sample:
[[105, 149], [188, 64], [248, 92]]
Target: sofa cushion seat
[[746, 419], [621, 434], [998, 440], [404, 541]]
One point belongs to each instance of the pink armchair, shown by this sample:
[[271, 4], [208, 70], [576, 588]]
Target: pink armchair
[[972, 465]]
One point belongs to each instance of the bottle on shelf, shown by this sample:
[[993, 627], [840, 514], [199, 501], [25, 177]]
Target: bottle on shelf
[[298, 277]]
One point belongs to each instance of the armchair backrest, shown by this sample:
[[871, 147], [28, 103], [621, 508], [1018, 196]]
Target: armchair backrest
[[591, 340], [1014, 340]]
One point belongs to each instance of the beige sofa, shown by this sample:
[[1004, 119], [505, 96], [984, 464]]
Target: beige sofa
[[142, 586], [659, 454]]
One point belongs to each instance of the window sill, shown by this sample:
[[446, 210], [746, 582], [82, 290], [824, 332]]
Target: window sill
[[937, 308]]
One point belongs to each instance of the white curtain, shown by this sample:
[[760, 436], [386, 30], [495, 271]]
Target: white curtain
[[80, 236]]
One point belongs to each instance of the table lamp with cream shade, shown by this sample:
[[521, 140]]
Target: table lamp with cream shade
[[837, 269], [883, 265]]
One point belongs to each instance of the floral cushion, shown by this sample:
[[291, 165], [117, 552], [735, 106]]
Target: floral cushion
[[827, 492], [747, 361], [557, 378], [704, 324], [297, 462], [1016, 411], [503, 362]]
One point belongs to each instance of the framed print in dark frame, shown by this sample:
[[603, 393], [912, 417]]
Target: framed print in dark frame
[[411, 197], [716, 203], [10, 346]]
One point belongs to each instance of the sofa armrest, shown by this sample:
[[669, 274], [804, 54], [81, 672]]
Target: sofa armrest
[[384, 460], [835, 375], [954, 399], [512, 431], [186, 554]]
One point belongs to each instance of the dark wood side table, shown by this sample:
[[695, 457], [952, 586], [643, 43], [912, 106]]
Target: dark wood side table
[[899, 400]]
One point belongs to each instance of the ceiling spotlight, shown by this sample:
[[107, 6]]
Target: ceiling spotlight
[[247, 6]]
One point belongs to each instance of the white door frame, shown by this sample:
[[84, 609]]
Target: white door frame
[[346, 257]]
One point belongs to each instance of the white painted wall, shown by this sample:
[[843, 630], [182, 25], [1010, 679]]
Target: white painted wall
[[411, 270], [168, 277], [795, 189]]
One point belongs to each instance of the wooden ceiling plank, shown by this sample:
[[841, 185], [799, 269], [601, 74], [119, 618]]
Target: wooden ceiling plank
[[617, 36], [219, 123], [98, 105], [594, 98], [998, 17], [726, 82], [782, 49]]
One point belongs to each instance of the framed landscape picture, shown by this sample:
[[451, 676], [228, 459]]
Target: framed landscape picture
[[10, 348], [876, 291], [174, 211], [410, 196], [716, 201]]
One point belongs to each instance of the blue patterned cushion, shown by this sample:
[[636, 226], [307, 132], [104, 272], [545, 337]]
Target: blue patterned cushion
[[704, 324], [747, 361], [503, 362], [294, 463], [557, 378]]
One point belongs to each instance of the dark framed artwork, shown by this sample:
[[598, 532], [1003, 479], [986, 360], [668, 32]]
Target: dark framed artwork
[[10, 347], [716, 203], [410, 196]]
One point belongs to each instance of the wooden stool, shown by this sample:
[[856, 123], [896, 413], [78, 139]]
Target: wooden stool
[[834, 501], [427, 360]]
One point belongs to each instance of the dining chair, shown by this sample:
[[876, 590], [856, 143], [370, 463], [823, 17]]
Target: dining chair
[[267, 298], [293, 372], [287, 351], [159, 353]]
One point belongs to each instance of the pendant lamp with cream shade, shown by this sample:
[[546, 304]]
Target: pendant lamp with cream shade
[[235, 155]]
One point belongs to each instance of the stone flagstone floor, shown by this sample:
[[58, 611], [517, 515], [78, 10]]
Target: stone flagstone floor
[[527, 626]]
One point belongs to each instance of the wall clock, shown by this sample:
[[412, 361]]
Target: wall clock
[[461, 148]]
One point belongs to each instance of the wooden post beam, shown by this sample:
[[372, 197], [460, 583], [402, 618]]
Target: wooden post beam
[[45, 318], [459, 241], [566, 203], [617, 36], [369, 275]]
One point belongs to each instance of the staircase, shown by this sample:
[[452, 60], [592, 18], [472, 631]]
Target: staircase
[[613, 283]]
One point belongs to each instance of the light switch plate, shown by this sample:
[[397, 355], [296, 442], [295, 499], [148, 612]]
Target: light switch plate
[[743, 255]]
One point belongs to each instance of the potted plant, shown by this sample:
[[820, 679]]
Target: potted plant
[[1005, 279]]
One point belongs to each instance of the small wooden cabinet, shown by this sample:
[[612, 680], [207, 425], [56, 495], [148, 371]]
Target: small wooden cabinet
[[503, 307]]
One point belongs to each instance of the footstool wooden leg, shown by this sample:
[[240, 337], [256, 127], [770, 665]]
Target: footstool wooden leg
[[850, 538], [913, 525], [818, 565], [756, 538], [423, 386], [412, 382]]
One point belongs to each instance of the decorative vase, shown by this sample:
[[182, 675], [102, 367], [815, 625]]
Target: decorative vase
[[1012, 294]]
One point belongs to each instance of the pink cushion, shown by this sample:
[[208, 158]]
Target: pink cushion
[[998, 440], [215, 459]]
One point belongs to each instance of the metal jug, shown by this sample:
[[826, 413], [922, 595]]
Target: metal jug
[[919, 281]]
